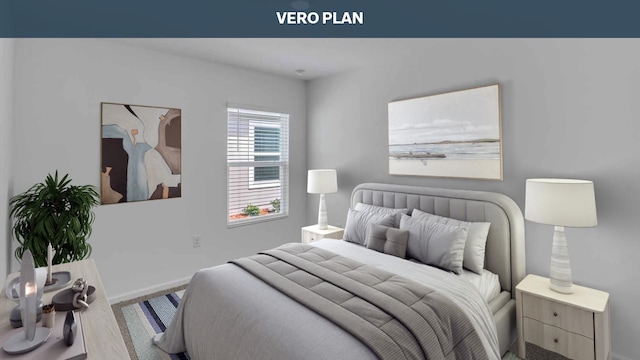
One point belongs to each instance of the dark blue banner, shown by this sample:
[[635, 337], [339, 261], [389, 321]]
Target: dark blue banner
[[319, 18]]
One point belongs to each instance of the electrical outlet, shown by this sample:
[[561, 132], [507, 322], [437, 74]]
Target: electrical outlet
[[196, 240]]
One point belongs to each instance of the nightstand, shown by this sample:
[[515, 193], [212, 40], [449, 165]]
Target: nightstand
[[573, 325], [312, 233]]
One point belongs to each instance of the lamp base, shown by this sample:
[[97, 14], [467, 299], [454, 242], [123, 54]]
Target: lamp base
[[16, 317], [18, 343], [322, 214], [560, 273]]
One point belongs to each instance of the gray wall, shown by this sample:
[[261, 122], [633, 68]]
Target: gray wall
[[58, 89], [569, 109], [6, 117]]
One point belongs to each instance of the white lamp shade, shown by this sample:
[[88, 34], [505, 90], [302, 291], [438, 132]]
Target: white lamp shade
[[322, 181], [561, 202]]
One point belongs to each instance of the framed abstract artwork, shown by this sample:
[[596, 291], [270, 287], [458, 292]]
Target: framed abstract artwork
[[456, 134], [141, 153]]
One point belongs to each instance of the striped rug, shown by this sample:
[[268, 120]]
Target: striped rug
[[140, 319]]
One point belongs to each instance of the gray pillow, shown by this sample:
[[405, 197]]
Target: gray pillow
[[474, 248], [383, 210], [388, 240], [357, 227], [435, 244]]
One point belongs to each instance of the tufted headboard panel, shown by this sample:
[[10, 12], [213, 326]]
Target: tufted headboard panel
[[505, 252]]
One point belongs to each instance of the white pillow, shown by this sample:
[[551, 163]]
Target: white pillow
[[383, 210], [476, 239], [358, 222], [435, 244]]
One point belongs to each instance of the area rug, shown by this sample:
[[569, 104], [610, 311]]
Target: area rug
[[141, 318]]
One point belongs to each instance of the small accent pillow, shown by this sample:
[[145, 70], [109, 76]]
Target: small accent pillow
[[383, 210], [357, 228], [476, 239], [388, 240], [435, 244]]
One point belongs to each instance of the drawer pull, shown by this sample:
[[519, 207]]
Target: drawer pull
[[555, 341], [555, 313]]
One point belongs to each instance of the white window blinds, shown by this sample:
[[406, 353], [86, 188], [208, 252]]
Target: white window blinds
[[257, 165]]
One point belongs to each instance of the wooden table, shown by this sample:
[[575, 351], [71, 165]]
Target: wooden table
[[102, 335]]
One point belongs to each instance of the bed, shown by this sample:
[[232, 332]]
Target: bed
[[230, 312]]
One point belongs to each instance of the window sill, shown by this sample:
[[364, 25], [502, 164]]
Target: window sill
[[242, 220]]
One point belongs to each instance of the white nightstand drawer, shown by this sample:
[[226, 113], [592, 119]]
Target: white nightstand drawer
[[312, 233], [309, 237], [566, 317], [563, 342]]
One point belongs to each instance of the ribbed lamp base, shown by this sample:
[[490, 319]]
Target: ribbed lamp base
[[322, 214], [560, 266]]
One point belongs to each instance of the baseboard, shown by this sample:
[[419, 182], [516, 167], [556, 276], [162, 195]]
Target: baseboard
[[148, 290], [615, 356]]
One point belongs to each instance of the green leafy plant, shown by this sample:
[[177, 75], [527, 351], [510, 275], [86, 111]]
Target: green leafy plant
[[54, 212], [276, 205], [251, 210]]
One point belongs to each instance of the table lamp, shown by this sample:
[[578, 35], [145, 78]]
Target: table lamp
[[322, 182], [560, 202], [32, 336]]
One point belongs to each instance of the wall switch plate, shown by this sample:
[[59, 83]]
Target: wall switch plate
[[196, 240]]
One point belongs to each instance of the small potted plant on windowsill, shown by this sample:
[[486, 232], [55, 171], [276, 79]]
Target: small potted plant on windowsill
[[276, 206], [57, 213], [251, 210]]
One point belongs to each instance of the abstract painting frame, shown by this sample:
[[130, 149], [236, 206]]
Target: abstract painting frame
[[456, 134], [141, 153]]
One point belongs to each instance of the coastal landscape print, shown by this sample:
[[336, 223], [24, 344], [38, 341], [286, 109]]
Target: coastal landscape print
[[141, 153], [456, 134]]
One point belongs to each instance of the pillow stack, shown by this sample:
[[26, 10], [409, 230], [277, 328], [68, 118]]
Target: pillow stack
[[434, 240], [435, 244], [397, 213], [376, 228], [358, 223], [476, 239]]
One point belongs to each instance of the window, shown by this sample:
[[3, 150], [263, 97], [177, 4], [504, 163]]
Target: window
[[257, 165]]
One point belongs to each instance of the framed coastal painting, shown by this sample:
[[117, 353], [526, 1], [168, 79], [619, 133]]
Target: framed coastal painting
[[141, 153], [456, 134]]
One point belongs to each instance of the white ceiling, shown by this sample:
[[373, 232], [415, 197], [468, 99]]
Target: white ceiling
[[318, 57]]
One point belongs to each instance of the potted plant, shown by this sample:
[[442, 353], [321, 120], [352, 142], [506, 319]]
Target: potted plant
[[55, 212], [251, 210], [276, 205]]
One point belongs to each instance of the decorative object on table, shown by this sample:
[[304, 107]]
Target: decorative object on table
[[50, 279], [322, 182], [48, 316], [141, 153], [55, 347], [54, 212], [560, 202], [15, 318], [78, 297], [61, 279], [456, 134], [69, 330], [31, 337]]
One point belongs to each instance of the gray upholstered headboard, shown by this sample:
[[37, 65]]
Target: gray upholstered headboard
[[505, 253]]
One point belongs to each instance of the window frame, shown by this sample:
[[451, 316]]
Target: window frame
[[246, 160]]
